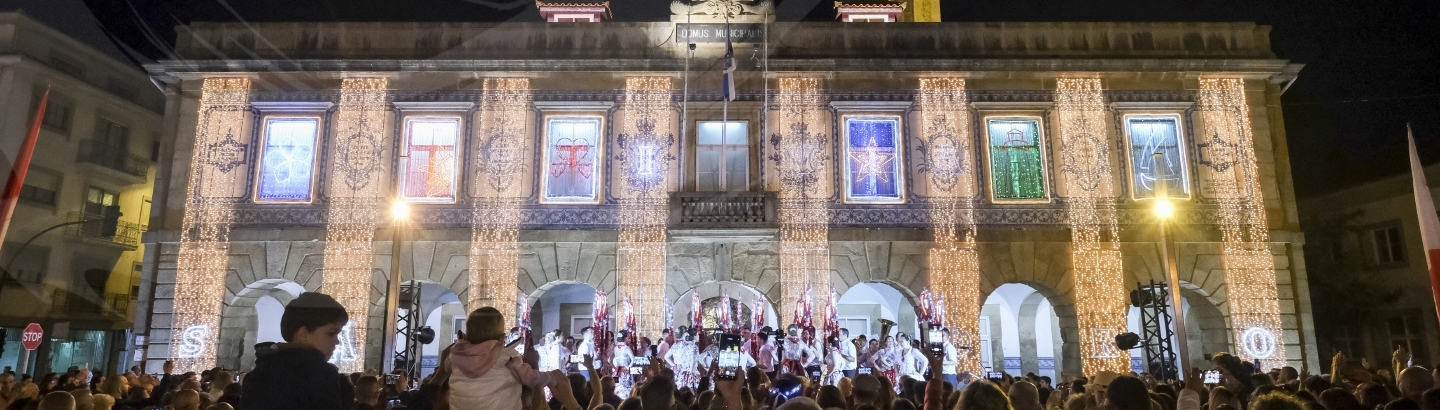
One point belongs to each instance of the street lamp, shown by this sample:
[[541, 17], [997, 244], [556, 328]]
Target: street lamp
[[399, 213], [1163, 211]]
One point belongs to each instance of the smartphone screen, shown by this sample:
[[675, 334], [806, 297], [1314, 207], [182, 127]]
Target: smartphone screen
[[391, 379], [1212, 377], [862, 370], [575, 358], [641, 361], [636, 370], [995, 376], [937, 342], [729, 356]]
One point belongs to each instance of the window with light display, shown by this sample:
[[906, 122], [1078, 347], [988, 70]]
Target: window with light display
[[429, 159], [1017, 164], [571, 150], [287, 160], [872, 160], [1150, 134]]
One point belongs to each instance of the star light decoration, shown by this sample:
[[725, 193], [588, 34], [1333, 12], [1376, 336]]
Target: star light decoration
[[1234, 183], [495, 210], [945, 152], [1095, 247], [203, 259], [644, 155], [353, 207], [801, 158]]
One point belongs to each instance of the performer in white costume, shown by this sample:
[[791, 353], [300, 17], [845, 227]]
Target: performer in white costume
[[587, 346], [549, 352], [797, 354], [622, 359], [684, 357]]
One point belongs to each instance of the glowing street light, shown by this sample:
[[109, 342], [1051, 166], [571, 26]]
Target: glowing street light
[[1163, 208], [400, 211]]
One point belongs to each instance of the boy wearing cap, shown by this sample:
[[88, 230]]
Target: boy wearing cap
[[298, 375]]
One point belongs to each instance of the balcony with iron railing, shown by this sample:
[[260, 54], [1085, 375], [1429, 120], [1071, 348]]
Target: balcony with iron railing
[[63, 302], [92, 228], [725, 210], [132, 167]]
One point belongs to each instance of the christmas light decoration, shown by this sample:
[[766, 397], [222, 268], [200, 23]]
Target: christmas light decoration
[[355, 198], [495, 209], [1100, 304], [203, 259], [1228, 157], [948, 160], [801, 156], [644, 158]]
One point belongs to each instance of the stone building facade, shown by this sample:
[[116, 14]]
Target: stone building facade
[[723, 233]]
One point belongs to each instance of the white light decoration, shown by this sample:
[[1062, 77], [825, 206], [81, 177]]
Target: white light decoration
[[1085, 147], [498, 193], [356, 197], [345, 350], [202, 262], [1229, 168], [644, 159], [948, 159], [801, 148]]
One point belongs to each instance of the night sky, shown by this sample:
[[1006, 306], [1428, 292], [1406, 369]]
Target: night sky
[[1369, 65]]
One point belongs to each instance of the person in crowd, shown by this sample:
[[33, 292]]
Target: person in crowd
[[299, 375], [765, 354], [184, 399], [57, 400], [483, 373], [7, 387], [1024, 396], [219, 380], [985, 396], [83, 399], [367, 393], [103, 401]]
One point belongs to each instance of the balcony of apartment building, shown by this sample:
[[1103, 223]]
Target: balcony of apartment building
[[105, 305], [108, 156], [96, 228]]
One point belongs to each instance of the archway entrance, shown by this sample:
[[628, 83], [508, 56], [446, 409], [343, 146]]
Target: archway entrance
[[251, 317], [862, 306], [567, 306], [441, 311], [1020, 332], [742, 300]]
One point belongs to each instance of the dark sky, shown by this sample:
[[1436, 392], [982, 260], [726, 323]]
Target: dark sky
[[1370, 64]]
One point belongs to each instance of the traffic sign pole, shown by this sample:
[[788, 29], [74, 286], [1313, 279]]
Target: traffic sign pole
[[29, 340]]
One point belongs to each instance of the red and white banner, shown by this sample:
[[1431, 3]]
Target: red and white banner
[[1429, 221], [11, 194]]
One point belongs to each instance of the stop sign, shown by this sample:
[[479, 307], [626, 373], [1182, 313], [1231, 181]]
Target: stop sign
[[31, 337]]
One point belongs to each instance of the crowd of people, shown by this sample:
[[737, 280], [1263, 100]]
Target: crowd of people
[[489, 367]]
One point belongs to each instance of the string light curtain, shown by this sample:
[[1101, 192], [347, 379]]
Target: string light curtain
[[209, 211], [1227, 152], [355, 198], [950, 164], [644, 156], [1099, 279], [802, 148], [498, 194]]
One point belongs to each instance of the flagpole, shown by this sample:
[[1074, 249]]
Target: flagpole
[[11, 195], [1429, 221], [726, 95]]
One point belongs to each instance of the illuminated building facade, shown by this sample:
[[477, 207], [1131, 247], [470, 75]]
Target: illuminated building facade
[[1033, 146]]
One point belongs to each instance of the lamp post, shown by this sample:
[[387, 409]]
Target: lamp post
[[399, 213], [1163, 211]]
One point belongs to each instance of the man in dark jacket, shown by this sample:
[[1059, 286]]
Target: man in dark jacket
[[298, 374]]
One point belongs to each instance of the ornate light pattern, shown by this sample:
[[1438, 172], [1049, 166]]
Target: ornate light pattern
[[209, 210], [495, 219], [801, 156], [1229, 158], [948, 160], [354, 201], [1099, 280], [644, 158]]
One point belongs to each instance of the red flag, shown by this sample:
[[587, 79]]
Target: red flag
[[1429, 222], [22, 164]]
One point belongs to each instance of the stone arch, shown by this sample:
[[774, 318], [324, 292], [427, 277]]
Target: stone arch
[[543, 265], [239, 320], [905, 319], [714, 289], [1206, 324], [1067, 348], [1029, 353], [538, 312]]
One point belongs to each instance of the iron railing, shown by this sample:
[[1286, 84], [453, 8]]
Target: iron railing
[[92, 227], [723, 209], [116, 159], [63, 301]]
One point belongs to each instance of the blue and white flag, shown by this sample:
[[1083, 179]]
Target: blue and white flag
[[728, 80]]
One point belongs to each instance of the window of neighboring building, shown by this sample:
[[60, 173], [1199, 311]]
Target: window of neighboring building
[[722, 156], [872, 159], [112, 137], [1147, 135], [571, 166], [57, 113], [1017, 163], [287, 159], [96, 199], [30, 264], [1407, 331], [1388, 244], [41, 186], [429, 159]]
